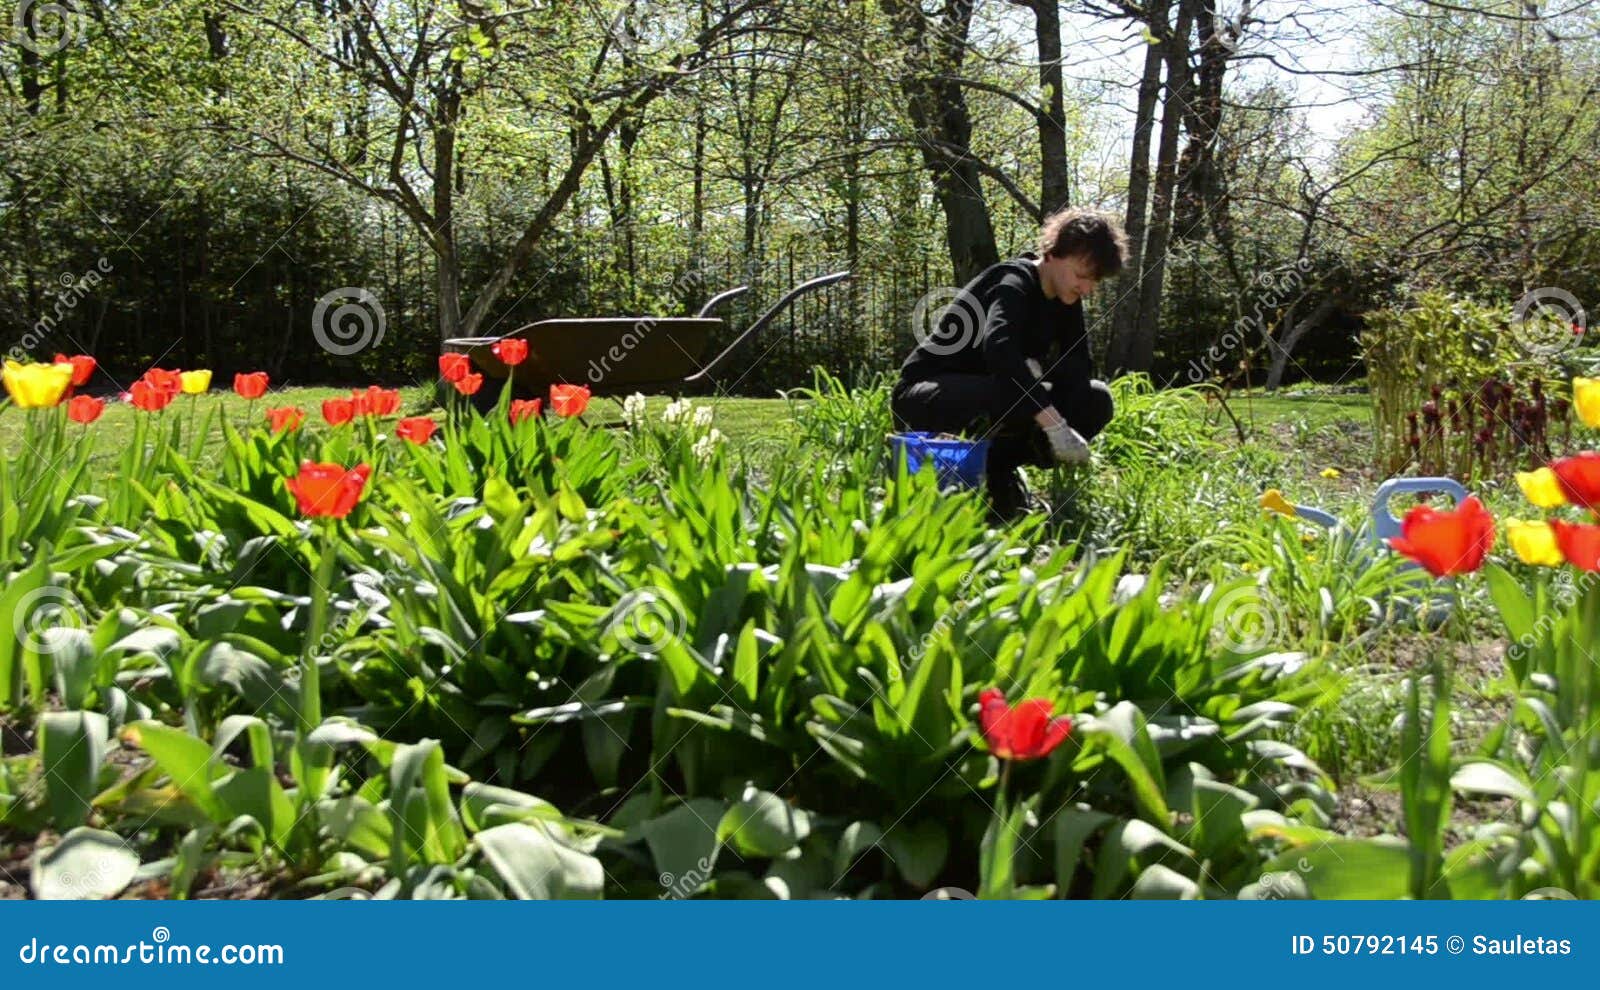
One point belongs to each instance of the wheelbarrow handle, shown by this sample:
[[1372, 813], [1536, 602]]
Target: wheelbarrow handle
[[721, 298], [766, 318]]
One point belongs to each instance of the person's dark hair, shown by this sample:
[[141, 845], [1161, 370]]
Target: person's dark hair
[[1089, 233]]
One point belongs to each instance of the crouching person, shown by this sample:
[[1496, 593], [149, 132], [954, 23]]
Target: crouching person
[[1008, 358]]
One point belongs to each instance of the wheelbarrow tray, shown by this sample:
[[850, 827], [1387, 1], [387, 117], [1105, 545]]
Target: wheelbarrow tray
[[616, 354], [610, 354]]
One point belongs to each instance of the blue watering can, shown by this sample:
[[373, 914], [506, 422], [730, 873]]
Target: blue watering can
[[1381, 524]]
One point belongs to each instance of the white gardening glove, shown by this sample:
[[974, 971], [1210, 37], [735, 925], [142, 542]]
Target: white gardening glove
[[1068, 446]]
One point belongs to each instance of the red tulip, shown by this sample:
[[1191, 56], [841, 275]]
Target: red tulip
[[82, 367], [510, 350], [469, 383], [166, 381], [417, 429], [338, 411], [285, 418], [522, 409], [375, 401], [569, 400], [149, 396], [1579, 545], [1579, 476], [85, 409], [1446, 542], [251, 386], [1024, 732], [453, 366], [328, 490]]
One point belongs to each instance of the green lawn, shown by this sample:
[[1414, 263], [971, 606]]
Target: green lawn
[[1338, 422], [742, 420]]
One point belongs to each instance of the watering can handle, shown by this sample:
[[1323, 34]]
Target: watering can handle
[[1384, 524]]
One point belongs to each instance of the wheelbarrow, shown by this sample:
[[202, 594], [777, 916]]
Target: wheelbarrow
[[1373, 536], [619, 354]]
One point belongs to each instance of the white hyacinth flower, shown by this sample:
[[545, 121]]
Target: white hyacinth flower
[[633, 409], [702, 417], [677, 410], [707, 445]]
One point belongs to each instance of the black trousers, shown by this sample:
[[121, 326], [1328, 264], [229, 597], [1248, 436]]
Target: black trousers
[[974, 404]]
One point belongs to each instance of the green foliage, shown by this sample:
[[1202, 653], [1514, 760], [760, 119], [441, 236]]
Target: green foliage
[[592, 615], [1444, 371]]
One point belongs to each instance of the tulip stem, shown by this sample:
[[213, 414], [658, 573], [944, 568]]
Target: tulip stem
[[314, 758], [310, 686]]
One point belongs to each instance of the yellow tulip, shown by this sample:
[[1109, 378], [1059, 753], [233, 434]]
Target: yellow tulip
[[36, 386], [194, 382], [1534, 542], [1273, 500], [1541, 488], [1586, 399]]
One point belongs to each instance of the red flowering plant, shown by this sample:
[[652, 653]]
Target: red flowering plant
[[1028, 730], [1551, 668], [85, 409], [325, 493], [524, 409], [417, 429]]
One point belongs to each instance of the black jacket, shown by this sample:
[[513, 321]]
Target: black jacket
[[994, 325]]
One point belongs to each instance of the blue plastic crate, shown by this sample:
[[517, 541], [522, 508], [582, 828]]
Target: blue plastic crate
[[959, 463]]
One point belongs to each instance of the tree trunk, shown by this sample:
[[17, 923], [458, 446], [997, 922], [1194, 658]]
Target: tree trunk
[[32, 88], [1125, 317], [1199, 186], [444, 234], [1282, 349], [938, 110], [1053, 191], [1141, 349]]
